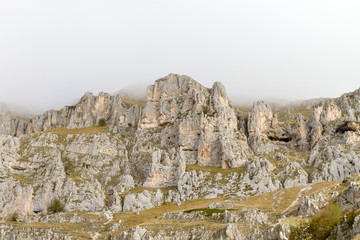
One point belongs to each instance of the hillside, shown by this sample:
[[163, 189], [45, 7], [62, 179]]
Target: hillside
[[185, 164]]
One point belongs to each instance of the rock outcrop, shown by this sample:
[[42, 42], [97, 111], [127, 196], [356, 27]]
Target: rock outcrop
[[185, 155], [87, 112], [199, 120]]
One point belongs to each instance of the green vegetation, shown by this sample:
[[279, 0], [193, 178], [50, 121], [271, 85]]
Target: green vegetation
[[205, 109], [71, 169], [102, 122], [68, 166], [22, 179], [84, 165], [323, 223], [208, 211], [56, 206], [151, 217], [320, 226], [350, 218], [15, 217], [279, 201]]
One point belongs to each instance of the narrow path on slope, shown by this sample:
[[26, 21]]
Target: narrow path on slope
[[298, 198]]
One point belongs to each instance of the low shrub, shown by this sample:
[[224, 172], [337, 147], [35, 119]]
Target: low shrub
[[102, 122], [301, 232], [15, 217], [208, 211], [320, 226], [350, 217], [56, 206]]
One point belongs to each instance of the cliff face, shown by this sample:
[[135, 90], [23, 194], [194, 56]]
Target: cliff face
[[187, 148], [85, 113]]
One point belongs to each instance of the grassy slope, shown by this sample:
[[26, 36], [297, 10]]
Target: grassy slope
[[75, 131], [277, 202]]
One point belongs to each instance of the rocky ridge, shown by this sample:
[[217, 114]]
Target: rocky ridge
[[187, 153]]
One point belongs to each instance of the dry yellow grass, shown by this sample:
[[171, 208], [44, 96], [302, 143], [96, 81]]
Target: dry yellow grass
[[132, 101], [214, 170], [357, 237], [149, 217], [278, 202], [281, 201], [75, 131], [297, 156], [173, 224], [262, 202], [294, 111], [285, 199], [318, 187], [22, 179], [305, 112], [80, 230]]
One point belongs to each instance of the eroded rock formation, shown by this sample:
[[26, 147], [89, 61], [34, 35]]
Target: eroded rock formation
[[185, 145]]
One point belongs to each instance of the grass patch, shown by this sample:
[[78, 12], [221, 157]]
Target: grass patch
[[295, 156], [244, 109], [71, 171], [56, 206], [15, 217], [79, 230], [102, 122], [150, 217], [76, 178], [214, 170], [318, 187], [75, 131], [132, 101], [208, 211], [22, 179], [320, 226], [169, 225], [282, 113], [283, 200]]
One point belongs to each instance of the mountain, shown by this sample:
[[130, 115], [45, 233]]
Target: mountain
[[184, 164]]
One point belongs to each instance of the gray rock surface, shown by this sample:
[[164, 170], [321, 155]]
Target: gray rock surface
[[186, 145]]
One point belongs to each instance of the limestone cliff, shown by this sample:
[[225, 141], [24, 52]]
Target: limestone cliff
[[184, 157]]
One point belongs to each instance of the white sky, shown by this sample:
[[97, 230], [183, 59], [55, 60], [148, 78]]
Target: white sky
[[53, 51]]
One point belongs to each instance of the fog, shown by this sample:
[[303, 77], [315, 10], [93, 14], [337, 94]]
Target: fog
[[52, 52]]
